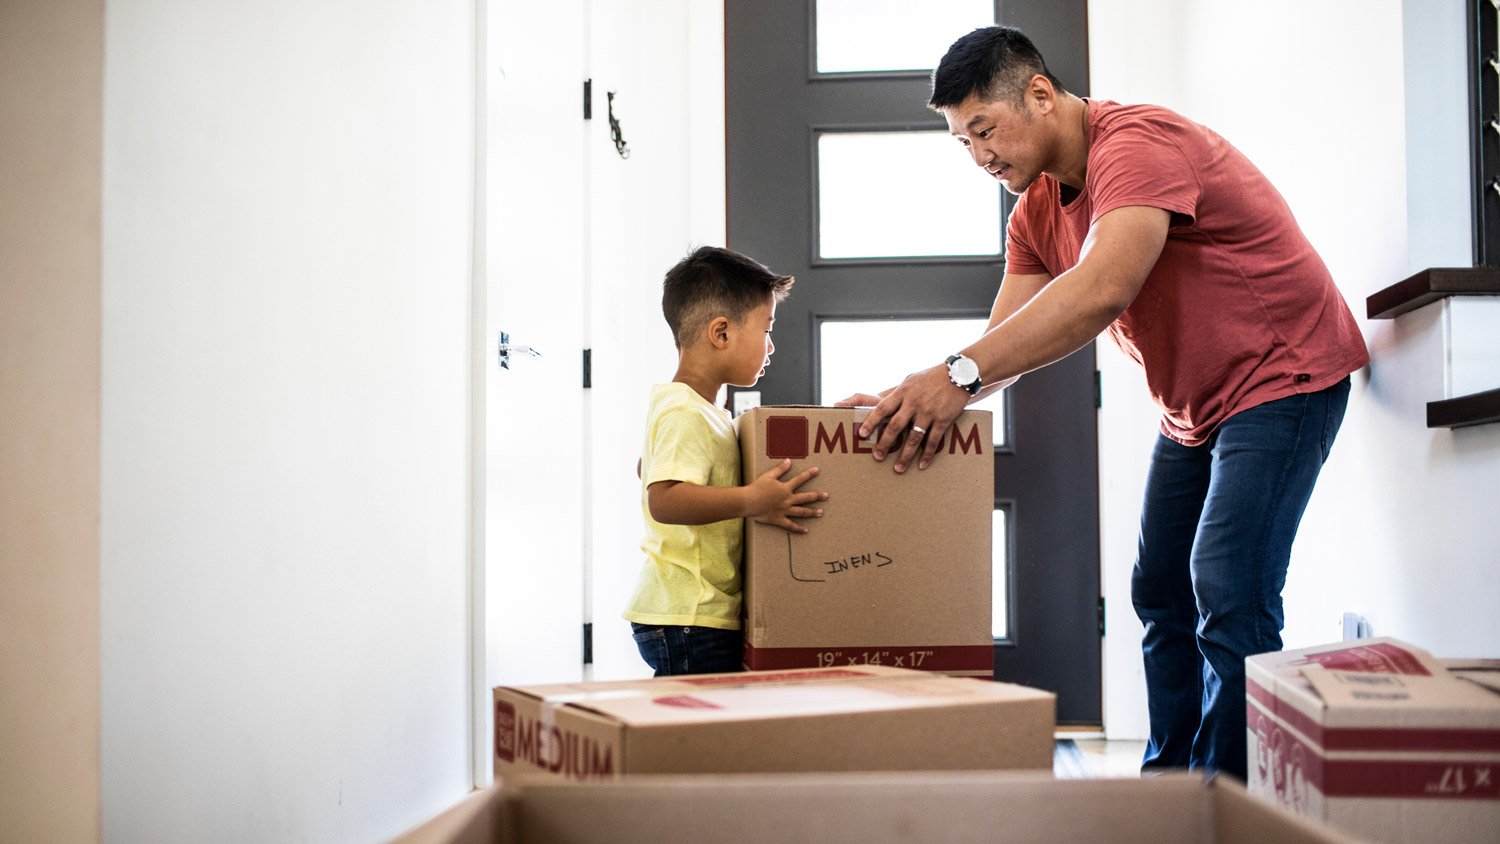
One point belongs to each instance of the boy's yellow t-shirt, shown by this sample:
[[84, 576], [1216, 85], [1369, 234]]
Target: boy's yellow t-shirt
[[691, 574]]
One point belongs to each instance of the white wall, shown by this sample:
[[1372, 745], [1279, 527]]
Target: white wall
[[1371, 154], [286, 285]]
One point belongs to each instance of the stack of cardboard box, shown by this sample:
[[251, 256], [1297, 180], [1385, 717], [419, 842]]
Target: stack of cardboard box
[[1377, 737]]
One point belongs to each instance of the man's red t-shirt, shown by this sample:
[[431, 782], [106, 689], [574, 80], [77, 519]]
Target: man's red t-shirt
[[1239, 309]]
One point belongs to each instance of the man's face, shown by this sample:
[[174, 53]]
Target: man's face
[[1005, 139]]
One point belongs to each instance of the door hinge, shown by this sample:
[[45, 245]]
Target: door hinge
[[588, 99], [1101, 616], [1098, 389], [588, 643], [588, 369]]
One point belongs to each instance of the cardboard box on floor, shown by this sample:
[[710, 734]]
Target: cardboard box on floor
[[1376, 737], [897, 572], [958, 807], [835, 719]]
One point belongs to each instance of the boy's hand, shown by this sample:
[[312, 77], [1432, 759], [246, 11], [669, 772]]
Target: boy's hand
[[772, 501]]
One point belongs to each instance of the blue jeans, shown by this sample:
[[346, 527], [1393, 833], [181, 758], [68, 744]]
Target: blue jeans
[[689, 650], [1216, 534]]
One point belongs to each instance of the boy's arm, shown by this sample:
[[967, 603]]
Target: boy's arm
[[767, 499]]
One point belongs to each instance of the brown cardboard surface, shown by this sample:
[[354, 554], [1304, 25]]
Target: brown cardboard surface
[[480, 817], [865, 718], [897, 572], [971, 806], [1377, 737]]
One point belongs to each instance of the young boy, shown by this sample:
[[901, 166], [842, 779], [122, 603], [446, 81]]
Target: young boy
[[685, 613]]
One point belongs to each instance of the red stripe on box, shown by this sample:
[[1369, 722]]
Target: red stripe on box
[[1374, 738], [738, 679], [921, 657], [1287, 764], [1380, 658]]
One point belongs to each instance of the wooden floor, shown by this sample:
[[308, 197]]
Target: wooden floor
[[1086, 756]]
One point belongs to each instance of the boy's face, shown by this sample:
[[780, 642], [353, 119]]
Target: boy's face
[[750, 351]]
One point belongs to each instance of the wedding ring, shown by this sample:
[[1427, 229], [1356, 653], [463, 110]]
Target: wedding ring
[[918, 429]]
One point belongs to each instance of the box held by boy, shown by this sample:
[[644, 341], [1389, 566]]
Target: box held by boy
[[898, 570]]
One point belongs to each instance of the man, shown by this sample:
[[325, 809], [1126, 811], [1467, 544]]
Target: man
[[1136, 221]]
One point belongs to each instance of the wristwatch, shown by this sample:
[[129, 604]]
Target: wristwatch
[[964, 373]]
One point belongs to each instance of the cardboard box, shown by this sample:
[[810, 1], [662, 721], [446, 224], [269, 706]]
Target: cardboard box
[[1376, 737], [959, 807], [844, 719], [897, 572]]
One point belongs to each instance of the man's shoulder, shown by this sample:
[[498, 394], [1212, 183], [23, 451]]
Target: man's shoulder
[[1146, 138], [1108, 114]]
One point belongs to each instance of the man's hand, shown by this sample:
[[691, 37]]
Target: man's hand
[[860, 400], [772, 501], [921, 408]]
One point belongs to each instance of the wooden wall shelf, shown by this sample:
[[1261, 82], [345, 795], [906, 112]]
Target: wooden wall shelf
[[1430, 285], [1461, 412], [1427, 287]]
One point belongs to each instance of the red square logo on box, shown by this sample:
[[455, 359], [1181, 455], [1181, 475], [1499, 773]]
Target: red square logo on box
[[786, 436], [505, 730]]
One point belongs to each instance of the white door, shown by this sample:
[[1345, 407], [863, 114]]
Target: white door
[[578, 239], [534, 247]]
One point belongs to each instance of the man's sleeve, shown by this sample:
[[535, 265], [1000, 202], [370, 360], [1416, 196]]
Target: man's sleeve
[[1021, 257], [1145, 167], [680, 448]]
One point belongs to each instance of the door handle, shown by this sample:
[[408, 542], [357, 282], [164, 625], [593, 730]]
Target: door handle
[[506, 347]]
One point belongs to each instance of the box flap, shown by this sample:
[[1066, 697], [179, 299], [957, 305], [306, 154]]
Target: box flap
[[1362, 698], [606, 689], [875, 808], [1484, 672], [1276, 681], [785, 694], [1382, 655]]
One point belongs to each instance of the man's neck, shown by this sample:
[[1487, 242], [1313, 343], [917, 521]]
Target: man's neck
[[1073, 143]]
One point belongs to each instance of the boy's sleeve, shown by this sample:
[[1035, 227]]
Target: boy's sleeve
[[680, 444]]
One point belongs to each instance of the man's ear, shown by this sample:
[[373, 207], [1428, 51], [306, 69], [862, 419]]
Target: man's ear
[[1041, 93], [718, 331]]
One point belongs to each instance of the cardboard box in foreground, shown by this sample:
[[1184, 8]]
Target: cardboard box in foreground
[[961, 807], [1376, 737], [844, 719], [897, 572]]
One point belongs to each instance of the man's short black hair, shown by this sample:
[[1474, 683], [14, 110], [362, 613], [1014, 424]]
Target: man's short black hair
[[995, 62], [712, 282]]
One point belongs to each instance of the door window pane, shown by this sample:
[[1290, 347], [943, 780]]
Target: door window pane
[[867, 356], [903, 194], [884, 35], [1000, 575]]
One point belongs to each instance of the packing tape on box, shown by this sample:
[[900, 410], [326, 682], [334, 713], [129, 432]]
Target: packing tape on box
[[550, 704]]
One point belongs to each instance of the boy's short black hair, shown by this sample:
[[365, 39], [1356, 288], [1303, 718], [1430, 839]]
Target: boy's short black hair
[[994, 62], [714, 281]]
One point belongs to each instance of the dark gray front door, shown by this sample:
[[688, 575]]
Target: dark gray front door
[[797, 130]]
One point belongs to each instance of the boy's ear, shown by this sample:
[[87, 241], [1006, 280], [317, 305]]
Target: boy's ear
[[718, 331]]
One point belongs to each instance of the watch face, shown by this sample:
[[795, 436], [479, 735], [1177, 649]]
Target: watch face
[[963, 371]]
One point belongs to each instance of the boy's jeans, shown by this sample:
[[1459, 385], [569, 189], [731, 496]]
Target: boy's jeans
[[1216, 533], [689, 650]]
